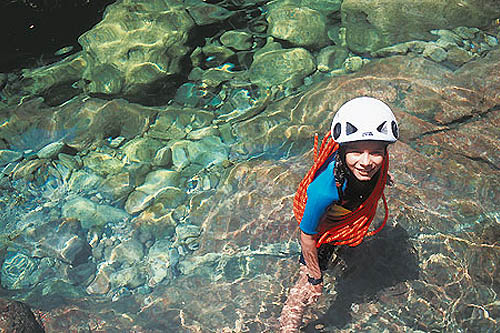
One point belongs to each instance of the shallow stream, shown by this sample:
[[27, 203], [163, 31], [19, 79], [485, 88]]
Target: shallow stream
[[147, 178]]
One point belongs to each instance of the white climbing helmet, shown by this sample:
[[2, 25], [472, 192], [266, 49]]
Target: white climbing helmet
[[364, 118]]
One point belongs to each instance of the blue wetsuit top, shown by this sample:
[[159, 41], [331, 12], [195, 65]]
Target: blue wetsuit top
[[320, 194]]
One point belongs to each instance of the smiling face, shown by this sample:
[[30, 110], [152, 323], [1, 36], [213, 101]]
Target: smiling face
[[364, 158]]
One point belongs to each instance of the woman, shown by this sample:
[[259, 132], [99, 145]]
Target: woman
[[343, 189]]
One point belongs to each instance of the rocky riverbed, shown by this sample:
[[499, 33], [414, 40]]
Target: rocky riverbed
[[147, 181]]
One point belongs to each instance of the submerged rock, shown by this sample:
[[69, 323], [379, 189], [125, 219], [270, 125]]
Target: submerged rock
[[17, 271], [129, 277], [238, 40], [129, 251], [9, 156], [50, 150], [331, 57], [161, 261], [78, 123], [207, 13], [286, 68], [18, 317], [325, 6], [135, 45], [300, 26], [435, 53], [101, 284], [372, 25], [176, 122], [156, 182], [92, 214], [141, 150], [55, 82]]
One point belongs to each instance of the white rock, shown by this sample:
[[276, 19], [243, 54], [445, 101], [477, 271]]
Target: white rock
[[129, 251], [159, 261], [50, 150]]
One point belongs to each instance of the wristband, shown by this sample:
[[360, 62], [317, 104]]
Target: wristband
[[314, 281]]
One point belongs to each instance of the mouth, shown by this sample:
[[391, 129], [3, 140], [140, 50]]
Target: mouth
[[364, 172]]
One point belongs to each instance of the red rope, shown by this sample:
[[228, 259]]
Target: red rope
[[351, 228]]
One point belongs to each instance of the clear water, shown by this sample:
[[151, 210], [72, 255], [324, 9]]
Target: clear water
[[214, 247]]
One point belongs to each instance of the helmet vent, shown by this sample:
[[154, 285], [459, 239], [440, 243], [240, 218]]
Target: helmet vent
[[395, 129], [382, 128], [336, 131], [350, 128]]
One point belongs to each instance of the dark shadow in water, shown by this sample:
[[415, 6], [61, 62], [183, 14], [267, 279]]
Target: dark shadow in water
[[364, 271]]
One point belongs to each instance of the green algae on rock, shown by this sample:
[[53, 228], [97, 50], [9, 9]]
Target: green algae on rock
[[300, 26], [136, 44], [287, 68], [372, 25], [238, 40], [331, 57], [78, 123], [57, 83]]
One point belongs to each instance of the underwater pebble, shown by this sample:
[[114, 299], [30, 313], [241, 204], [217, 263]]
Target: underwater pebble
[[90, 213], [155, 182], [287, 67], [9, 156], [207, 13], [301, 26], [116, 142], [491, 41], [163, 157], [129, 251], [159, 261], [141, 149], [7, 170], [188, 94], [187, 233], [74, 250], [484, 46], [179, 154], [203, 132], [101, 284], [331, 57], [129, 277], [238, 40], [353, 64], [81, 274], [16, 272], [50, 150], [71, 162], [63, 170], [466, 32], [434, 52]]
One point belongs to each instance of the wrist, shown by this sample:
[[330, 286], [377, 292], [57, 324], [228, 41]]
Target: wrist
[[314, 281]]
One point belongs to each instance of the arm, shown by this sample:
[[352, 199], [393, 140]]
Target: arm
[[310, 253]]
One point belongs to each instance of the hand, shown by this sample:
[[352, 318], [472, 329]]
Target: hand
[[310, 293], [314, 292], [301, 295]]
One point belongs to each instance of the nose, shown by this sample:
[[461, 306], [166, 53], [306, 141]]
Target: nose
[[364, 159]]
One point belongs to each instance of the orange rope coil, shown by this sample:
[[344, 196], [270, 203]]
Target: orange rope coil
[[350, 228]]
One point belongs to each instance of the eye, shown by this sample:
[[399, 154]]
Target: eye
[[378, 153]]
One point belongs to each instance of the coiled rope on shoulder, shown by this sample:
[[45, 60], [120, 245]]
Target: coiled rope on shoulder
[[350, 228]]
